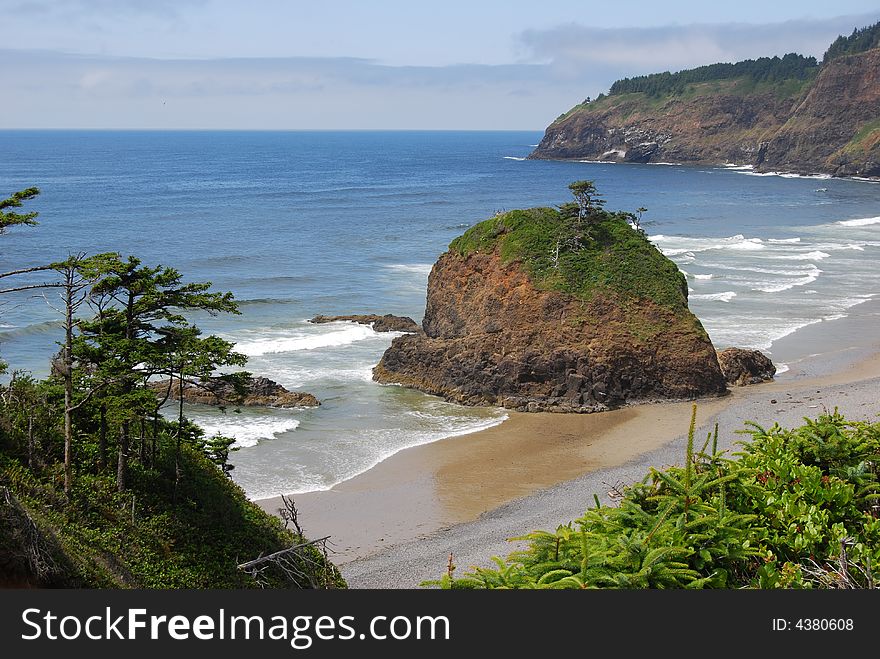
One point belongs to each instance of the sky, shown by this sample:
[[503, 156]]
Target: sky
[[384, 64]]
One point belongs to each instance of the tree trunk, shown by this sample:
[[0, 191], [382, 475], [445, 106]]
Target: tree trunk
[[144, 440], [102, 439], [68, 379], [155, 437], [122, 463], [30, 441]]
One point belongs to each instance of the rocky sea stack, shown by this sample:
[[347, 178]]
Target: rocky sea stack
[[253, 392], [569, 310]]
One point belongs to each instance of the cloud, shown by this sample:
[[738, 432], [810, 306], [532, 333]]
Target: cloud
[[53, 90], [92, 9], [569, 49]]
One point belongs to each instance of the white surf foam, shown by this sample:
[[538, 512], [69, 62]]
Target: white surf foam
[[786, 285], [781, 241], [709, 276], [248, 431], [860, 222], [341, 334], [815, 255], [514, 158], [726, 296], [415, 268], [676, 245]]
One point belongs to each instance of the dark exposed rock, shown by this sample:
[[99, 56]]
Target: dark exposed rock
[[492, 338], [741, 367], [257, 392], [386, 323]]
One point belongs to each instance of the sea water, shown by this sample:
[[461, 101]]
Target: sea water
[[297, 224]]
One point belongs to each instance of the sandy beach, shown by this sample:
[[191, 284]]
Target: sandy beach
[[396, 524]]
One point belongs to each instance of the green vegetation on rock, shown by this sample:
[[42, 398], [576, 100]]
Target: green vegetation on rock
[[859, 41], [762, 70], [795, 509], [603, 254]]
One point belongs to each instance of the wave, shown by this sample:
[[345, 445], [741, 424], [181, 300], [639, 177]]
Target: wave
[[247, 430], [709, 276], [784, 286], [28, 330], [815, 255], [263, 300], [342, 334], [726, 296], [450, 426], [514, 158], [677, 245], [416, 268], [734, 166], [860, 222], [799, 271], [780, 241], [748, 172]]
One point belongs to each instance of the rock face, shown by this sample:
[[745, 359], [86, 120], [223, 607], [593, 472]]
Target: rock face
[[386, 323], [827, 125], [836, 129], [742, 367], [722, 127], [494, 337], [259, 392]]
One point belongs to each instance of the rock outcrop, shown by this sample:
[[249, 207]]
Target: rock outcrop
[[386, 323], [836, 129], [605, 325], [828, 123], [256, 392], [742, 367]]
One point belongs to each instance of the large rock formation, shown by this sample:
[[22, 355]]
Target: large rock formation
[[594, 327], [386, 323], [836, 129], [825, 123], [256, 392]]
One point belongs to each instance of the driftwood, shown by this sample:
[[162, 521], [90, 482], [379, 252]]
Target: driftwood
[[32, 554], [296, 565]]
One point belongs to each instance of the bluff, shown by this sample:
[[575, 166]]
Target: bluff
[[555, 309], [787, 114]]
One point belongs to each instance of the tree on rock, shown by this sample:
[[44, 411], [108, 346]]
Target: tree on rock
[[587, 198]]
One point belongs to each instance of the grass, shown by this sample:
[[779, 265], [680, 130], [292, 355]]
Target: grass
[[149, 536], [614, 259]]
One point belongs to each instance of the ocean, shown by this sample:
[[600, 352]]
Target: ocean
[[297, 224]]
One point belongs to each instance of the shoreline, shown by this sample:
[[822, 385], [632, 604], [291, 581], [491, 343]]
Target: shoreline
[[393, 525], [785, 173]]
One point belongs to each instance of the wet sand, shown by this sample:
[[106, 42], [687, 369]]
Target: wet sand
[[426, 488]]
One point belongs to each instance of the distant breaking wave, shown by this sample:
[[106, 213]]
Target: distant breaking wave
[[726, 296], [342, 334], [862, 222]]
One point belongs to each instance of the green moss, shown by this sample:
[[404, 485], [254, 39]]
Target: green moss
[[865, 139], [613, 258]]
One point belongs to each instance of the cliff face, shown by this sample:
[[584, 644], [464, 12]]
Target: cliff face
[[718, 124], [830, 124], [836, 128], [499, 331]]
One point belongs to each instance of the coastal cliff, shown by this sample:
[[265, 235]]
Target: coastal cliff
[[542, 309], [787, 114]]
